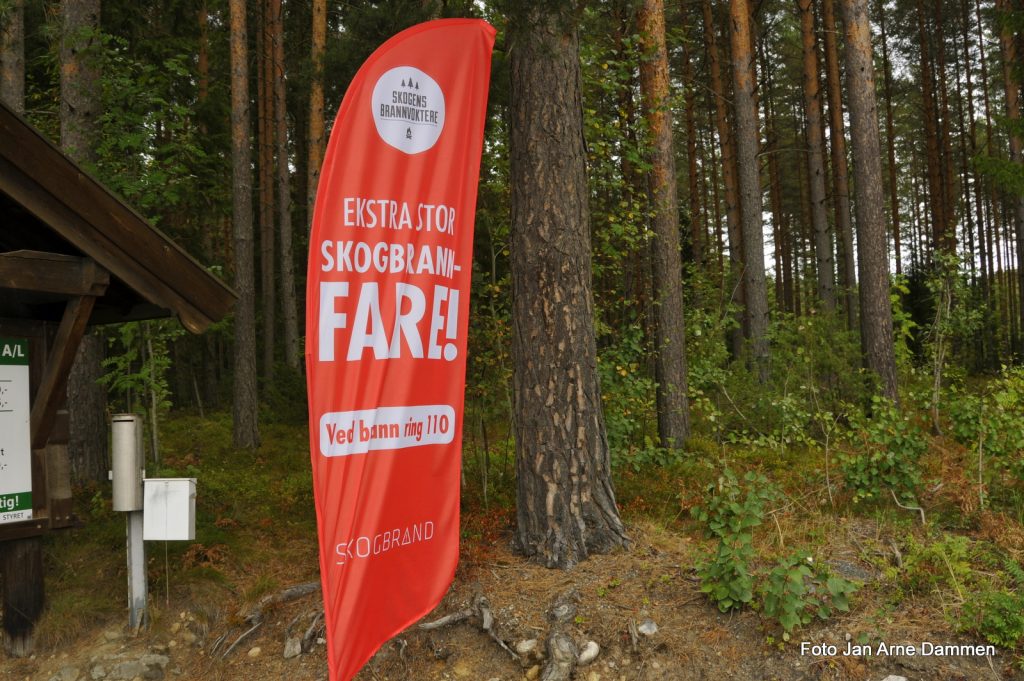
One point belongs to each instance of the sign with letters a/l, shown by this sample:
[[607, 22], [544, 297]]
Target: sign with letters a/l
[[15, 438]]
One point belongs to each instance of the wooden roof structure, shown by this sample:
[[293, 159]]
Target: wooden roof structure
[[73, 254], [49, 207]]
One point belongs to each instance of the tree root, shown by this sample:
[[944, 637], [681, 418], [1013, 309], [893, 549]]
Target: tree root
[[481, 608], [254, 618], [562, 650]]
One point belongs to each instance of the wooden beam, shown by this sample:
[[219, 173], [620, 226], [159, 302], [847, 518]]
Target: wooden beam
[[55, 376], [114, 235], [66, 275], [113, 254]]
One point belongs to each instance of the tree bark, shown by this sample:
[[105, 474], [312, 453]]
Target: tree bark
[[670, 340], [289, 306], [931, 130], [696, 227], [80, 108], [267, 176], [840, 169], [245, 411], [79, 78], [948, 238], [749, 183], [876, 312], [816, 159], [315, 151], [12, 57], [890, 133], [565, 502], [1010, 45], [729, 172]]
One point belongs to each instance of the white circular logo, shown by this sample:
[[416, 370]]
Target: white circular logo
[[408, 109]]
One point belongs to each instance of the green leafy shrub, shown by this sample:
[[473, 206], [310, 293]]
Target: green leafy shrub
[[996, 616], [993, 421], [734, 508], [888, 448], [943, 564], [796, 591]]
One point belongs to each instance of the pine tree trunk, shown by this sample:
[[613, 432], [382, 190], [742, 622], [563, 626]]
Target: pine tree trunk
[[315, 154], [1012, 52], [696, 229], [266, 134], [729, 172], [949, 191], [80, 83], [749, 183], [931, 130], [816, 159], [12, 57], [840, 170], [284, 195], [565, 502], [876, 311], [246, 429], [890, 133], [670, 341]]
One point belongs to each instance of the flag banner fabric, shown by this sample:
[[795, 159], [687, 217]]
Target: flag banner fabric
[[387, 312]]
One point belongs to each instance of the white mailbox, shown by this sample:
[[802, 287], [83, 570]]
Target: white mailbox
[[169, 513]]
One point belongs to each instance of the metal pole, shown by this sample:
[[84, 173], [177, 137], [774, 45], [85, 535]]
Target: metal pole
[[137, 587], [127, 477]]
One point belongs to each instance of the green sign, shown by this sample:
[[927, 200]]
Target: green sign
[[15, 436]]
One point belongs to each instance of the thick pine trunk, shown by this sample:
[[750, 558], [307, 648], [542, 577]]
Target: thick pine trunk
[[749, 183], [875, 309], [816, 159], [840, 170], [80, 109], [670, 341], [565, 502], [12, 57], [246, 429]]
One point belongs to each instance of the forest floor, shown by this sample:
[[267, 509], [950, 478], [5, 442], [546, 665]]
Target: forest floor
[[259, 539]]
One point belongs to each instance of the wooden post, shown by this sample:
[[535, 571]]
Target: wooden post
[[21, 562]]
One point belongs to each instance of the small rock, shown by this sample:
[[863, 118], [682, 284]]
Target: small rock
[[66, 674], [589, 653], [255, 651], [188, 637], [648, 628], [533, 672], [526, 647], [98, 672], [292, 647], [113, 634], [593, 676], [154, 660], [175, 627], [127, 670], [462, 670], [893, 677]]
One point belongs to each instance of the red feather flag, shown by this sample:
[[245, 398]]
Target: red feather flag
[[386, 322]]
